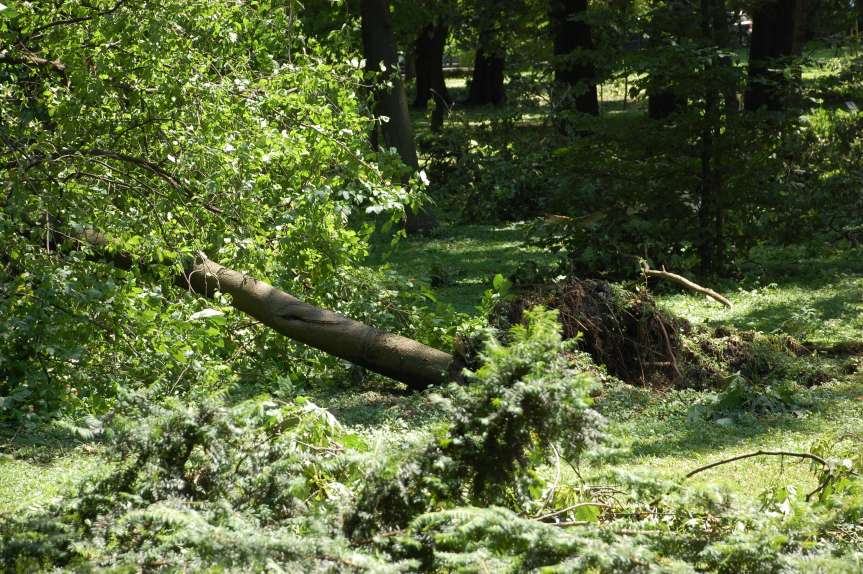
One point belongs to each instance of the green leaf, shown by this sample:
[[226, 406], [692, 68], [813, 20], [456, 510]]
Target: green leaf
[[501, 284], [587, 513]]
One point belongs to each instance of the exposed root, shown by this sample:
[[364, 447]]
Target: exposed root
[[641, 344], [625, 332]]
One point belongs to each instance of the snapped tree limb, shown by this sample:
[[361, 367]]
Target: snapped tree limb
[[413, 363], [680, 280]]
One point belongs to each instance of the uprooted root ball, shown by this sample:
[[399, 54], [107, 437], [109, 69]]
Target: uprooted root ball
[[642, 344]]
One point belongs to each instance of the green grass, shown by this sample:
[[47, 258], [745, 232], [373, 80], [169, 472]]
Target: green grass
[[38, 468], [462, 260], [816, 298], [660, 440], [819, 298]]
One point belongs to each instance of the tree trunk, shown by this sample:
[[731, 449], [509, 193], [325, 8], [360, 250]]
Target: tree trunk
[[405, 360], [777, 36], [714, 27], [572, 37], [663, 103], [664, 97], [428, 53], [486, 84], [380, 49]]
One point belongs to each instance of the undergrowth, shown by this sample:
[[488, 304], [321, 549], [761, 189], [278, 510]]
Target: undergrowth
[[282, 486]]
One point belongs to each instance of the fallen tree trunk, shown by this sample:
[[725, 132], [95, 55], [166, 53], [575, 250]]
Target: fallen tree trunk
[[416, 365], [405, 360]]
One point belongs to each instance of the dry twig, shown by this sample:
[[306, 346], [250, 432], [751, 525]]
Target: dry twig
[[680, 280]]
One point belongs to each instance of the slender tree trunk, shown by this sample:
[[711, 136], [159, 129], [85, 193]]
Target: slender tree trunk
[[711, 246], [380, 49], [410, 67], [429, 52], [722, 37], [777, 35], [486, 84], [573, 72], [714, 26]]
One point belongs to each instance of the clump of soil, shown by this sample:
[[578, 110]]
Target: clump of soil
[[641, 344], [623, 331]]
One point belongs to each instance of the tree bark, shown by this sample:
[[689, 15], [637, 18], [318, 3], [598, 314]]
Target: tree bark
[[428, 52], [380, 51], [663, 103], [777, 36], [486, 84], [572, 38], [714, 27], [402, 359], [416, 365], [379, 48]]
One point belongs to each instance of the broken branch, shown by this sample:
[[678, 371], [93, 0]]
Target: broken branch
[[804, 455], [683, 281]]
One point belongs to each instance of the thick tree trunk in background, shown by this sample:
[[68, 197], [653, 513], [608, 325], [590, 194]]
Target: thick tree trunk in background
[[379, 47], [428, 54], [572, 35], [778, 32], [486, 84], [663, 103]]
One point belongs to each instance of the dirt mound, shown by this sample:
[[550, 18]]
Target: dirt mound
[[641, 344]]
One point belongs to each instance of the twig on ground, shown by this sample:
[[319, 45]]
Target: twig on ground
[[804, 455]]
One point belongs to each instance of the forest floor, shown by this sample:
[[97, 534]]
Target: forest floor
[[650, 430], [818, 298]]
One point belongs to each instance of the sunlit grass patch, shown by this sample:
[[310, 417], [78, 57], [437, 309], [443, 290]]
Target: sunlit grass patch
[[461, 261], [36, 470]]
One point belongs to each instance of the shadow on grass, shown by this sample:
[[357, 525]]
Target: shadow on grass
[[42, 445], [461, 260], [657, 425], [827, 310], [377, 409]]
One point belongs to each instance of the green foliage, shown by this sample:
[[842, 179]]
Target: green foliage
[[267, 485], [524, 400], [239, 129], [171, 127], [493, 171], [207, 486]]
